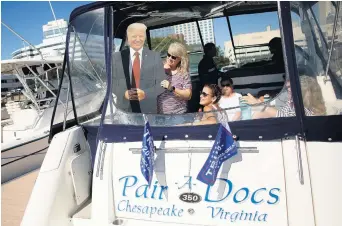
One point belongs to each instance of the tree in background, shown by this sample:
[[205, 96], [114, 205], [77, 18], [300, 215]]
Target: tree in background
[[195, 48], [220, 59], [162, 44]]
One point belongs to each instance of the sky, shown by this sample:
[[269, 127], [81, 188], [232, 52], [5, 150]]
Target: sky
[[243, 24], [27, 19]]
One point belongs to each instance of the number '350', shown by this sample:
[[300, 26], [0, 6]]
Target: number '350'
[[190, 197]]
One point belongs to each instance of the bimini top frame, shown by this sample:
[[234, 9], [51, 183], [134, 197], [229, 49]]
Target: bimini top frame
[[154, 13]]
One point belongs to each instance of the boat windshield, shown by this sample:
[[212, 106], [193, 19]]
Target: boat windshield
[[86, 67], [186, 40], [250, 41], [317, 33], [173, 94]]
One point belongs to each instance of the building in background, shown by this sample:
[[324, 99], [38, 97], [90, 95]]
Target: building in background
[[189, 31], [249, 47], [162, 32], [191, 34], [178, 36], [325, 15], [54, 36], [9, 83]]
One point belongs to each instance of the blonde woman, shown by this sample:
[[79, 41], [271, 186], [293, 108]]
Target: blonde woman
[[177, 84], [312, 100]]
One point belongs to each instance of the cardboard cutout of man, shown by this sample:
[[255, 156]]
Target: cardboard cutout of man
[[137, 73]]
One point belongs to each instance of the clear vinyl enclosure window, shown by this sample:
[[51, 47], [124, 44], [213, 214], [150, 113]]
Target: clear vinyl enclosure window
[[264, 78], [318, 54], [252, 59], [258, 74], [187, 34], [251, 35], [87, 68], [216, 31]]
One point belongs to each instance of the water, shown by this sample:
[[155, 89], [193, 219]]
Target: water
[[194, 59]]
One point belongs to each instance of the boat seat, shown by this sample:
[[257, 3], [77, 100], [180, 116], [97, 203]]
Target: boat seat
[[247, 81]]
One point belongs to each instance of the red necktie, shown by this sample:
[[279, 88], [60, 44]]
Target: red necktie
[[136, 70]]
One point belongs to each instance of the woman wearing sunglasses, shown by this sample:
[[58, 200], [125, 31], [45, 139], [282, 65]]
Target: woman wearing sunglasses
[[230, 100], [210, 112], [177, 84], [209, 98]]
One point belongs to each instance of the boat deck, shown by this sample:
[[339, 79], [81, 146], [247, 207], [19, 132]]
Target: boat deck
[[14, 198]]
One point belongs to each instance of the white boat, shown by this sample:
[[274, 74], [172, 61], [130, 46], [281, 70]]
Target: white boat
[[25, 137], [287, 171], [38, 69]]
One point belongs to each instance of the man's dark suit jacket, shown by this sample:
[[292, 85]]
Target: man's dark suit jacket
[[151, 74]]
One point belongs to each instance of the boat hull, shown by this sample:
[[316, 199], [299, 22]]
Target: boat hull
[[23, 158]]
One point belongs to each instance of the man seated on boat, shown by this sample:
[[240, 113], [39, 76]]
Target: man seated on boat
[[277, 61], [230, 100], [137, 73], [207, 70]]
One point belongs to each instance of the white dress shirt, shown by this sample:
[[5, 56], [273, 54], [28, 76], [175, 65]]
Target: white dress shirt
[[132, 52]]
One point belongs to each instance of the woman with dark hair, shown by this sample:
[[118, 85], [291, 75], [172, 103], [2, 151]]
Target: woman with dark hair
[[209, 98]]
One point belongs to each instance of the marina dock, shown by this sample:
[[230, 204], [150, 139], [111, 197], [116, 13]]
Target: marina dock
[[14, 198]]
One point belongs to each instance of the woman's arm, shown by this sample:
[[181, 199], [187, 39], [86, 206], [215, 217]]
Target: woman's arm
[[251, 100], [207, 119], [269, 112], [184, 94], [204, 121]]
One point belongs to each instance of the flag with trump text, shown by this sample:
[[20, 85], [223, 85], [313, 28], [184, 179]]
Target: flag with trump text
[[147, 153], [224, 148]]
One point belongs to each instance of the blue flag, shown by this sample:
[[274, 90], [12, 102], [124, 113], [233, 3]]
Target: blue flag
[[223, 149], [147, 154]]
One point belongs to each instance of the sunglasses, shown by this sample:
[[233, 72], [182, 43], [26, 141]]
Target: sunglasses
[[226, 85], [171, 56], [204, 94]]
